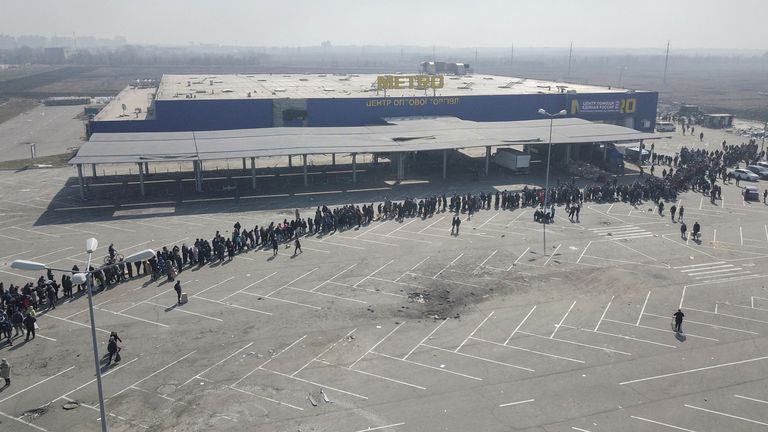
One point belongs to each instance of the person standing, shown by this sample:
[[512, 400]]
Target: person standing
[[5, 372], [177, 288], [29, 324], [680, 213], [683, 229], [678, 321], [297, 247], [458, 224], [672, 211], [274, 246], [112, 348]]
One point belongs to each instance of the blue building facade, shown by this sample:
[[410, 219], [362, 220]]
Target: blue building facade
[[631, 109]]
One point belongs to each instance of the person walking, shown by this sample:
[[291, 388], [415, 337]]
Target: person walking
[[683, 229], [274, 246], [113, 349], [678, 321], [29, 324], [297, 247], [5, 372], [680, 213], [672, 211], [458, 224], [177, 288]]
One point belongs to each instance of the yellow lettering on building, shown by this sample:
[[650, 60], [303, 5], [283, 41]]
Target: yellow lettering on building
[[399, 82]]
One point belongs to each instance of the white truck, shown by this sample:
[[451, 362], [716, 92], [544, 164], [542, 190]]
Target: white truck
[[512, 159]]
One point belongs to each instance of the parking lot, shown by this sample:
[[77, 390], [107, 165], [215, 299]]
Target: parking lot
[[400, 326]]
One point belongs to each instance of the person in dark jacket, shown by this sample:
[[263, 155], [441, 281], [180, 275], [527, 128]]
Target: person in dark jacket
[[29, 324]]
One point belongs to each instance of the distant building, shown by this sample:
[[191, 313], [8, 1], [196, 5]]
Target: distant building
[[56, 55], [245, 101]]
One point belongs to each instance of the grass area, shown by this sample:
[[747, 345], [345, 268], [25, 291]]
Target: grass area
[[56, 161], [13, 107]]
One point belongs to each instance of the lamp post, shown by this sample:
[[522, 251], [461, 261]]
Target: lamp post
[[543, 112], [85, 277]]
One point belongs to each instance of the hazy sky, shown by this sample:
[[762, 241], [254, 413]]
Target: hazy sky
[[464, 23]]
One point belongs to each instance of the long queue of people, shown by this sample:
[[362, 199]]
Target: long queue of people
[[694, 169]]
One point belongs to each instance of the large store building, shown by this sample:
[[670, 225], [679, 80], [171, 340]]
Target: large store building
[[246, 101]]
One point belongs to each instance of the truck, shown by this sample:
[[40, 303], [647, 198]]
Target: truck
[[513, 160]]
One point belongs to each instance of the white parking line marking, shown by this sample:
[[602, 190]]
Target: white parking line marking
[[474, 331], [449, 264], [149, 376], [426, 366], [520, 325], [663, 424], [376, 345], [643, 309], [517, 403], [699, 265], [32, 425], [562, 320], [425, 339], [479, 358], [430, 225], [552, 255], [529, 350], [317, 357], [726, 415], [172, 307], [605, 311], [36, 384], [381, 427], [577, 343], [694, 370], [250, 285], [751, 399]]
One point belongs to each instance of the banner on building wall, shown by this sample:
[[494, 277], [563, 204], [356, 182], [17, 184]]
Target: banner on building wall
[[618, 106]]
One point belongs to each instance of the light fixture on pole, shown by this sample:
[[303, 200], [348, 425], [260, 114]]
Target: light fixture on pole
[[84, 277], [544, 112]]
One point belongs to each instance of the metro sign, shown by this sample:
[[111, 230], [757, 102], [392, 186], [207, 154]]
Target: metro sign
[[396, 82]]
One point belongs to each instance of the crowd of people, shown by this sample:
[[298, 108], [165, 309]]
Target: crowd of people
[[690, 169]]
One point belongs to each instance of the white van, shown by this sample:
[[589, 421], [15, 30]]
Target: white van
[[665, 126]]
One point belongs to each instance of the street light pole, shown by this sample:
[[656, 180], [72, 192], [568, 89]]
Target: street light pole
[[86, 277], [96, 359], [542, 111]]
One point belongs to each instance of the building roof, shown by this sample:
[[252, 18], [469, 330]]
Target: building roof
[[400, 136]]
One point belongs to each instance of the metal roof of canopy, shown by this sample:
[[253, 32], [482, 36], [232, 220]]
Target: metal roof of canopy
[[407, 135]]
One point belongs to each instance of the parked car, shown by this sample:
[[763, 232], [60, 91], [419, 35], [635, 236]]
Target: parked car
[[763, 164], [744, 174], [665, 126], [751, 193], [759, 170]]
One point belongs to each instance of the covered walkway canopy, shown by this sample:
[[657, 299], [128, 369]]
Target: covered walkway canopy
[[399, 137]]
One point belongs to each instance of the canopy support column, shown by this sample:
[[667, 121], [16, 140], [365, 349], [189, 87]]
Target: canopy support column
[[333, 160], [304, 162], [146, 168], [354, 168], [445, 163], [400, 167], [197, 165], [487, 159], [290, 161], [253, 173], [82, 183], [93, 170], [141, 179], [244, 168]]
